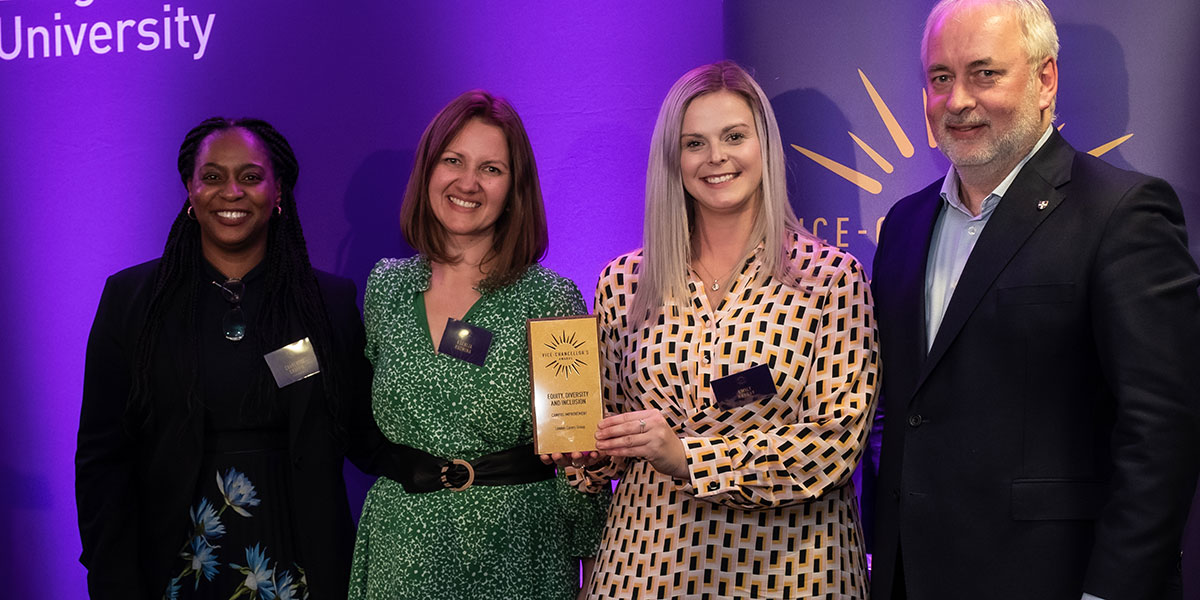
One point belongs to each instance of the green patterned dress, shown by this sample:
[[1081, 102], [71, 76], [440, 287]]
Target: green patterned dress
[[516, 541]]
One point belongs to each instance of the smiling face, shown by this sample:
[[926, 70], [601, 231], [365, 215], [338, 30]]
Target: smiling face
[[233, 192], [469, 186], [987, 104], [720, 157]]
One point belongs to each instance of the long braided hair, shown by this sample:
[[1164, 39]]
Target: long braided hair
[[290, 281]]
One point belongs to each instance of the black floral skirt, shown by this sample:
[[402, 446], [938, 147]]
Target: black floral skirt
[[241, 541]]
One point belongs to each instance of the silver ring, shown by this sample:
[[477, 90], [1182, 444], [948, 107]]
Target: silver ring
[[642, 422]]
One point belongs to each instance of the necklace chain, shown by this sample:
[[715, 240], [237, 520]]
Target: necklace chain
[[716, 284]]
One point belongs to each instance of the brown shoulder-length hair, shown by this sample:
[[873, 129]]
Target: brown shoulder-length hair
[[521, 236]]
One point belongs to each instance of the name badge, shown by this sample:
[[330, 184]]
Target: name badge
[[293, 362], [465, 341], [744, 387]]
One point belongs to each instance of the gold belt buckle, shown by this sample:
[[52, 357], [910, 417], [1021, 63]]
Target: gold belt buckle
[[470, 475]]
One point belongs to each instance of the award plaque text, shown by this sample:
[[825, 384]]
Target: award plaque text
[[564, 373]]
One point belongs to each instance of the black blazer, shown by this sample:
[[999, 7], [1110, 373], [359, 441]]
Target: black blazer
[[133, 489], [1047, 444]]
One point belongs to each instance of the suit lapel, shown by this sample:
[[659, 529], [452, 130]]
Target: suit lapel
[[1032, 197]]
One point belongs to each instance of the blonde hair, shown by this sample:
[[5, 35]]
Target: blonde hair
[[666, 251]]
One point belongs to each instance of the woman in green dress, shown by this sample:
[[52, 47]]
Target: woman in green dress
[[506, 526]]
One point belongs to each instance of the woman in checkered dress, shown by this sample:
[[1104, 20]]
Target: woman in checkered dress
[[737, 487]]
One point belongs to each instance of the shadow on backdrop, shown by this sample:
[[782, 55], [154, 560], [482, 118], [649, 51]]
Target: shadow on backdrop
[[1093, 90], [820, 199], [372, 207], [828, 205], [25, 495]]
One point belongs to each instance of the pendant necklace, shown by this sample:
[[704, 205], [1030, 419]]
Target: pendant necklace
[[716, 283]]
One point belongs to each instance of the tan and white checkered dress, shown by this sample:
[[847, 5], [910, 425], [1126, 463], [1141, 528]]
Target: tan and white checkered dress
[[769, 510]]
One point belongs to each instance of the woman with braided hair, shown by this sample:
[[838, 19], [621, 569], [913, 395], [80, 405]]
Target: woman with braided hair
[[224, 384]]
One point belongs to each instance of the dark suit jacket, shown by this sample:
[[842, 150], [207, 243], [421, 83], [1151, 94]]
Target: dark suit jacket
[[1047, 444], [133, 490]]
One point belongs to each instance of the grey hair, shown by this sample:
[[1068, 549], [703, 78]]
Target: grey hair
[[1039, 36]]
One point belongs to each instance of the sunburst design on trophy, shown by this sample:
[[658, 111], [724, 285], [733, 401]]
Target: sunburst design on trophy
[[565, 351], [902, 142]]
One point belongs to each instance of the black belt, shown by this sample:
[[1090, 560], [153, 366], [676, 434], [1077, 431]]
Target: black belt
[[428, 473]]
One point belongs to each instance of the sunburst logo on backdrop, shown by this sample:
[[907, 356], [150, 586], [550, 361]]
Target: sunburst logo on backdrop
[[902, 142]]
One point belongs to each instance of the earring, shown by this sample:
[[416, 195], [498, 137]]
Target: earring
[[189, 213], [278, 210]]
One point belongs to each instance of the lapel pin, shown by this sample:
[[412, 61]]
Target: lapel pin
[[1043, 204]]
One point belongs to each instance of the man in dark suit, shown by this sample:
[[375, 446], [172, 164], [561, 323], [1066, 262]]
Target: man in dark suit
[[1040, 329]]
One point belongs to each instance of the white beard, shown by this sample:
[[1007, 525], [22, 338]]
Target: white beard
[[1002, 147]]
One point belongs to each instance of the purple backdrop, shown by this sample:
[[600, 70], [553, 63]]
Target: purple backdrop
[[87, 175], [91, 118]]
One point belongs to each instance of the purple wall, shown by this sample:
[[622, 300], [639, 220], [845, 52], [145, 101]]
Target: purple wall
[[88, 142], [88, 184]]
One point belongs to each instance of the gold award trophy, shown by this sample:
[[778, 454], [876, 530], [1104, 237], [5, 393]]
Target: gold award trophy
[[564, 378]]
